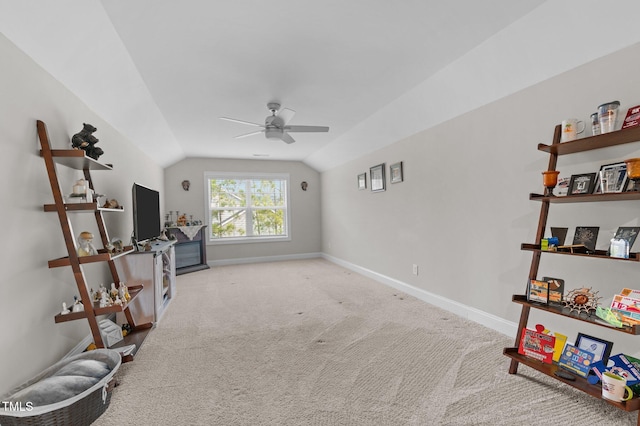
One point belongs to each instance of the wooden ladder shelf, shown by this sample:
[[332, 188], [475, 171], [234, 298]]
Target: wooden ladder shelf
[[76, 159]]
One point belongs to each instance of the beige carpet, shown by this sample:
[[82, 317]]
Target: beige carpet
[[310, 343]]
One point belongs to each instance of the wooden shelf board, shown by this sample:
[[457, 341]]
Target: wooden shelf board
[[606, 140], [580, 383], [588, 198], [134, 291], [80, 207], [598, 254], [72, 316], [560, 310], [76, 159], [136, 337], [102, 256]]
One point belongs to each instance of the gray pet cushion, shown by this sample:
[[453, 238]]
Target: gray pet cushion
[[85, 367], [53, 389]]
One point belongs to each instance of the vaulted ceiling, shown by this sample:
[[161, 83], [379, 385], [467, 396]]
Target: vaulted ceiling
[[163, 72]]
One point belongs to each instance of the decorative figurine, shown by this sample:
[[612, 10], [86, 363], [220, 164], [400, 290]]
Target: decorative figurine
[[86, 141], [85, 244], [65, 310], [123, 293], [582, 300], [113, 292], [104, 300], [77, 305]]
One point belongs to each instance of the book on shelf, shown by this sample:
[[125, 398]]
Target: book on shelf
[[576, 360], [622, 365], [537, 345]]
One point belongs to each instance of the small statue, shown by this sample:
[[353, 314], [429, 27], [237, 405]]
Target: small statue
[[77, 305], [104, 300], [65, 310], [123, 292], [85, 244], [113, 292], [86, 141]]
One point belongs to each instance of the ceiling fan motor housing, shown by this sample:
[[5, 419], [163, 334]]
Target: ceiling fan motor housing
[[273, 133]]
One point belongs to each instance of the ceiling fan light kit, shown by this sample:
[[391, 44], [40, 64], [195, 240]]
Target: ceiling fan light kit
[[275, 125]]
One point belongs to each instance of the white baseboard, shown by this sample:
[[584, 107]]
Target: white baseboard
[[486, 319], [80, 347], [263, 259]]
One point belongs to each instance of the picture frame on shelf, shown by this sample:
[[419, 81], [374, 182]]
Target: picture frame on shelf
[[560, 234], [628, 233], [582, 184], [362, 181], [377, 179], [538, 291], [562, 187], [555, 290], [601, 349], [395, 172], [611, 178], [587, 236]]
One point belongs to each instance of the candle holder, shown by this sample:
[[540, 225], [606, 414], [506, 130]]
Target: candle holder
[[549, 180], [633, 172]]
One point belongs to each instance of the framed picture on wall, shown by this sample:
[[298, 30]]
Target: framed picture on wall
[[395, 171], [377, 178], [362, 181]]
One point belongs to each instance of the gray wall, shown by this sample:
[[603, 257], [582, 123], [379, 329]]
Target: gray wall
[[305, 206], [31, 292], [463, 210]]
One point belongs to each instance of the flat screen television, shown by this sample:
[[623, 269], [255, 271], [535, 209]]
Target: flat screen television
[[146, 213]]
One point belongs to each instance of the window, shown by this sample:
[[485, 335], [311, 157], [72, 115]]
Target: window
[[244, 207]]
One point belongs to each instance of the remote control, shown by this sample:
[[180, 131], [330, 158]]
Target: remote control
[[565, 375]]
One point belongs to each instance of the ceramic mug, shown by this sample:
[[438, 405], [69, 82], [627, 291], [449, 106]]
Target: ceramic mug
[[570, 129], [614, 387]]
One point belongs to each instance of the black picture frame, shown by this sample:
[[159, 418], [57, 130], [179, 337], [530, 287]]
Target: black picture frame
[[620, 175], [555, 289], [628, 233], [587, 236], [362, 181], [560, 234], [582, 183], [599, 347], [377, 179]]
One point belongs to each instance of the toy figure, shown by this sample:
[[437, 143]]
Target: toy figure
[[86, 141]]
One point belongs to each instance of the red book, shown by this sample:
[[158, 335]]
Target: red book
[[537, 345]]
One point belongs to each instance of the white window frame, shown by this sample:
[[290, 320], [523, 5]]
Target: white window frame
[[246, 176]]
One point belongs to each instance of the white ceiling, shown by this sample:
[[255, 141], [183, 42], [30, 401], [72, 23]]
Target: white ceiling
[[374, 71]]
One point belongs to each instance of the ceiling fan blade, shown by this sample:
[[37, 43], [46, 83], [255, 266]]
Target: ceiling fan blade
[[248, 134], [286, 115], [235, 120], [287, 138], [306, 128]]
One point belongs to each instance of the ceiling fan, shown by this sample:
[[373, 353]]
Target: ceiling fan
[[276, 125]]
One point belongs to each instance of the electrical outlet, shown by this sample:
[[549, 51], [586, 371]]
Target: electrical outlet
[[415, 269]]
